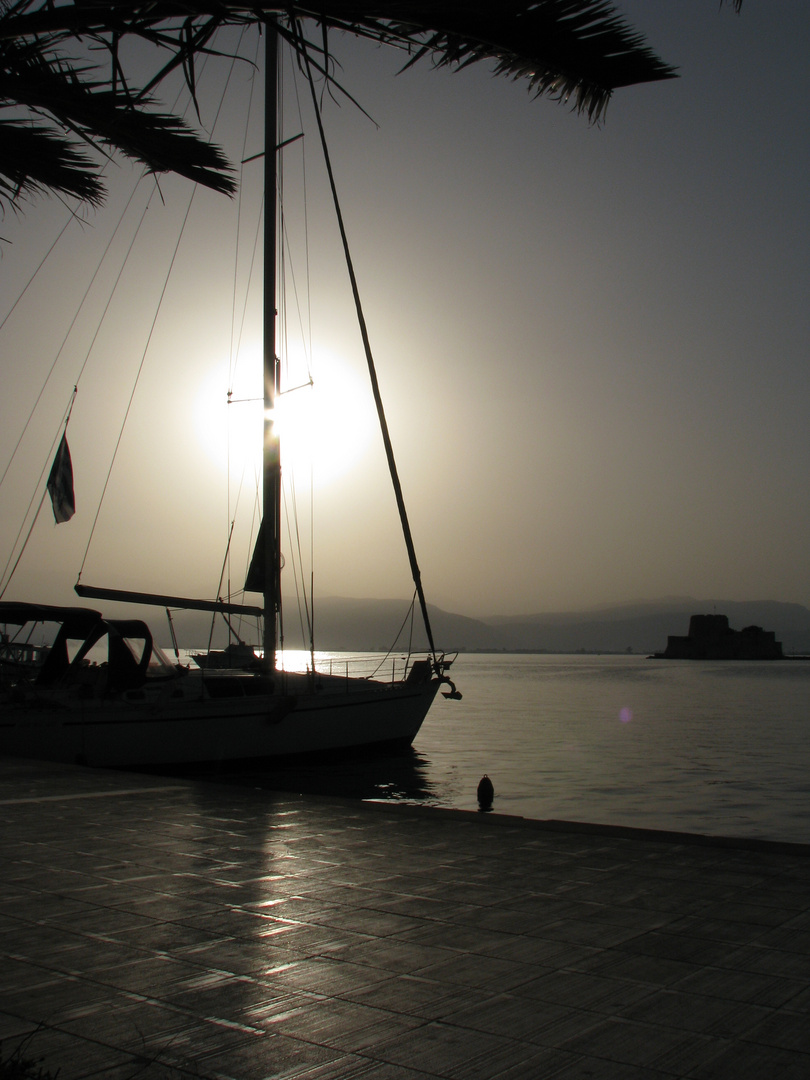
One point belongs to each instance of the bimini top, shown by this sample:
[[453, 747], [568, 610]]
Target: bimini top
[[18, 614]]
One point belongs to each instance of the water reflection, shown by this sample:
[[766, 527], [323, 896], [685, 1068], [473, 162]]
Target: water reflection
[[717, 747], [401, 776]]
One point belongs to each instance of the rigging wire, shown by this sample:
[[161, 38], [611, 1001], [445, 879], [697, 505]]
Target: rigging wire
[[287, 274], [135, 385], [149, 336], [44, 492], [305, 612], [409, 617], [222, 573], [75, 318], [71, 218], [256, 515], [65, 339], [235, 345], [304, 195], [287, 279], [39, 266], [389, 450]]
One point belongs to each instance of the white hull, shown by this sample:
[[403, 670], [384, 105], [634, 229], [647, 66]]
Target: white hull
[[128, 732]]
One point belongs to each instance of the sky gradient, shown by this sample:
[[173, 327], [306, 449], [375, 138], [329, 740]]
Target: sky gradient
[[592, 342]]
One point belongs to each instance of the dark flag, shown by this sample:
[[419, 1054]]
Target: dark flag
[[60, 484]]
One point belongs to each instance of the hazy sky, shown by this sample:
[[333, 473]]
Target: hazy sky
[[592, 342]]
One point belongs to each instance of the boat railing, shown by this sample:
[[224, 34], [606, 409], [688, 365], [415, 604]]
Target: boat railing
[[390, 669]]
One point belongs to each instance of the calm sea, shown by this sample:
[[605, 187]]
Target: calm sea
[[720, 748]]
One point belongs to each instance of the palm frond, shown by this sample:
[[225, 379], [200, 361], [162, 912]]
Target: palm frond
[[65, 100], [576, 51], [570, 50], [554, 44], [34, 160]]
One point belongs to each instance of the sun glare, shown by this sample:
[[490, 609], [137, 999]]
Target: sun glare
[[229, 425], [325, 426]]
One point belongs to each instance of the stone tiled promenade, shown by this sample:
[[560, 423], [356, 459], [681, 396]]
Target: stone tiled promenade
[[161, 928]]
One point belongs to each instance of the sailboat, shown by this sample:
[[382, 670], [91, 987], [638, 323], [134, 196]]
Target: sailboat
[[106, 695]]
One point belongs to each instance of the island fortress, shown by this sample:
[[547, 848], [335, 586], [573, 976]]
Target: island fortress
[[711, 638]]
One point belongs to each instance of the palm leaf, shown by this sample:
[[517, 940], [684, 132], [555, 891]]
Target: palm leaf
[[34, 160], [578, 42], [576, 51], [65, 100], [109, 118]]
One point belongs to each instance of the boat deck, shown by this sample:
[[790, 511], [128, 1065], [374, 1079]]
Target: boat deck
[[154, 927]]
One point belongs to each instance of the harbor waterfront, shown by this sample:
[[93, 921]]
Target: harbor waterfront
[[714, 747], [158, 928], [161, 926]]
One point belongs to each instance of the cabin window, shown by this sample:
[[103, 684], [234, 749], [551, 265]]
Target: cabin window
[[160, 666], [96, 655]]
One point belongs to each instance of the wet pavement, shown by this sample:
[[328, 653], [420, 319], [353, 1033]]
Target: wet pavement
[[154, 927]]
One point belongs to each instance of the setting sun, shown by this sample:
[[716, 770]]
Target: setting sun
[[325, 425]]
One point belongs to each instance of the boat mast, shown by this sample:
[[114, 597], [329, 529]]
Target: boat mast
[[271, 459]]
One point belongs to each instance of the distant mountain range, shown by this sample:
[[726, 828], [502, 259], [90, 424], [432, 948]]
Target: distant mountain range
[[371, 625]]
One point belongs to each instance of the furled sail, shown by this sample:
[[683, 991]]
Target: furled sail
[[256, 577]]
